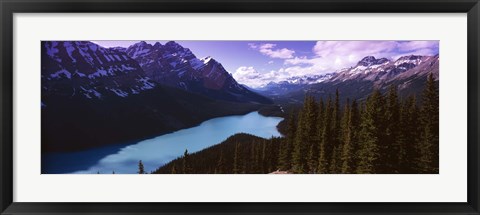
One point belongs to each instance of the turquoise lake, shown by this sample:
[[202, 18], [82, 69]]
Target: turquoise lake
[[154, 152]]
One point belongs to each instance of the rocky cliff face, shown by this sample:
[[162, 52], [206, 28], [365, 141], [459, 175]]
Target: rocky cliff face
[[173, 65], [81, 68]]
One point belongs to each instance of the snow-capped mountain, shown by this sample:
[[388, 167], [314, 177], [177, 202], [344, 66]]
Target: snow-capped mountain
[[86, 69], [368, 73], [293, 83], [94, 96], [383, 70], [173, 65], [409, 73], [314, 79]]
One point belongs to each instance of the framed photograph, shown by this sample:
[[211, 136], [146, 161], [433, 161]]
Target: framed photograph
[[239, 107]]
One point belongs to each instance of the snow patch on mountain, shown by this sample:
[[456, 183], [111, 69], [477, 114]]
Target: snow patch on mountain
[[69, 47], [99, 73], [90, 68], [411, 59], [380, 70], [205, 60], [80, 74], [119, 92], [146, 83], [61, 73], [91, 93], [52, 51]]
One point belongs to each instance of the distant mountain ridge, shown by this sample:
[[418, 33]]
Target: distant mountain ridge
[[293, 83], [408, 73], [384, 71]]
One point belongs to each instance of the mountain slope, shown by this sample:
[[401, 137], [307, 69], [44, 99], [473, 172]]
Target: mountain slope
[[173, 65], [86, 69], [70, 124], [93, 96]]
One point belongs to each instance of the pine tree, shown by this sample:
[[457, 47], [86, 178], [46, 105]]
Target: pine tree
[[312, 160], [245, 161], [281, 154], [370, 134], [350, 126], [336, 166], [409, 136], [311, 139], [326, 139], [252, 163], [428, 160], [336, 136], [271, 159], [174, 170], [186, 163], [220, 169], [320, 122], [305, 135], [141, 169], [391, 145], [236, 160], [354, 122], [298, 154], [263, 160]]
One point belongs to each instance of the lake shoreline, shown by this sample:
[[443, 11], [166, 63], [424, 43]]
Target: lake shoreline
[[119, 148], [255, 107]]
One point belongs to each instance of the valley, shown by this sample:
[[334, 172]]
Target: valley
[[108, 98], [114, 106]]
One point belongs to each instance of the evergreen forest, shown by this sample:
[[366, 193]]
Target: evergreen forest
[[381, 134]]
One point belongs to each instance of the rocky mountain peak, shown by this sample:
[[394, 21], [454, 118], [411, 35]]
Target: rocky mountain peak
[[173, 45], [139, 49], [119, 49], [410, 57], [174, 65], [88, 70], [157, 45], [371, 60]]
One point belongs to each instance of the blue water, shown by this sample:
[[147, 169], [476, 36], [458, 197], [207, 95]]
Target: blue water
[[162, 149]]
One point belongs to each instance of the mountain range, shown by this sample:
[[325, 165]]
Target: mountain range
[[408, 73], [92, 95], [90, 70]]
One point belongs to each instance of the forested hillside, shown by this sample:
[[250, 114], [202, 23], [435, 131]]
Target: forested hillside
[[239, 154], [384, 134]]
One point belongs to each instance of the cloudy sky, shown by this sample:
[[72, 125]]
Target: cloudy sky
[[256, 63]]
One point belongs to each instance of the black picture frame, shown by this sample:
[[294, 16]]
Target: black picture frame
[[9, 7]]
